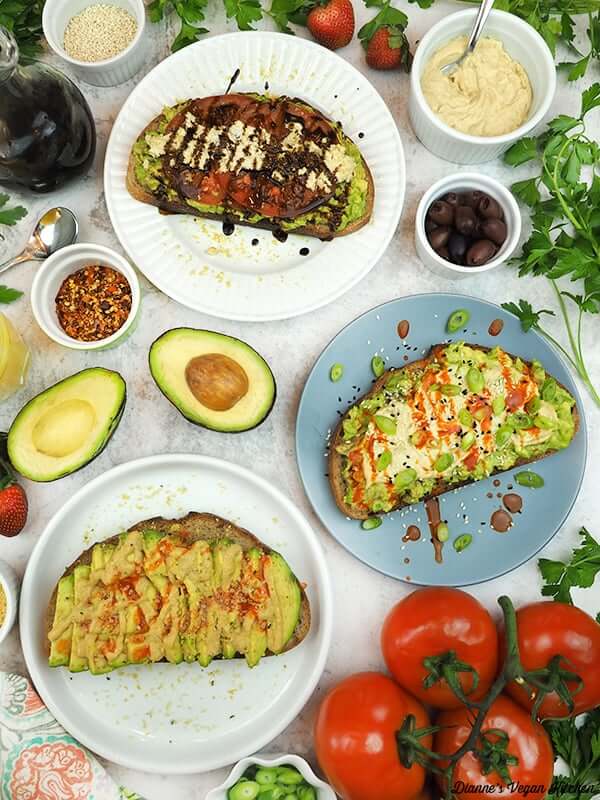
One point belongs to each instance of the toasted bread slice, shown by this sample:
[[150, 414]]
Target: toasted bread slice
[[179, 206], [336, 460], [193, 527]]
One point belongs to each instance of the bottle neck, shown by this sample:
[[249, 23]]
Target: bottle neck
[[9, 54]]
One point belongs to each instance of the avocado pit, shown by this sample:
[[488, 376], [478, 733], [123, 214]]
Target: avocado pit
[[216, 381]]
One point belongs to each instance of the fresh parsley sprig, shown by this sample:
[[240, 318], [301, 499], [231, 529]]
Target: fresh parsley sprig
[[565, 214], [579, 747], [580, 570], [24, 19], [191, 14], [10, 216]]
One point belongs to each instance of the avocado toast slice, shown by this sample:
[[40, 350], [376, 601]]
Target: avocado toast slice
[[189, 589], [461, 414], [267, 162]]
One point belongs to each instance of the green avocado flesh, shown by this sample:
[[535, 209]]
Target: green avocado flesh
[[214, 380], [467, 414], [149, 175], [149, 597], [67, 425]]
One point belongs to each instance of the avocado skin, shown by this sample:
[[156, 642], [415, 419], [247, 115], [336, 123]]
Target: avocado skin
[[183, 414], [109, 433]]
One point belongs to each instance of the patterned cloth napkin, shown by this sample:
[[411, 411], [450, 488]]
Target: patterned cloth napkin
[[38, 758]]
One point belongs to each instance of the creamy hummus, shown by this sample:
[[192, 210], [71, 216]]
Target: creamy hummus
[[488, 95]]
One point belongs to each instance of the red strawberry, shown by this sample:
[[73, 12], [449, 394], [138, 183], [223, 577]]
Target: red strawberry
[[380, 52], [13, 509], [332, 23], [384, 39]]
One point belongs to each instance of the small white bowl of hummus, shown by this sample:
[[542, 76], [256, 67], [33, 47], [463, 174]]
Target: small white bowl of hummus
[[499, 93]]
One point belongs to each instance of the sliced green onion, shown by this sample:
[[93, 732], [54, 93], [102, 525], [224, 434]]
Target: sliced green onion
[[520, 421], [434, 387], [457, 320], [371, 523], [549, 390], [442, 532]]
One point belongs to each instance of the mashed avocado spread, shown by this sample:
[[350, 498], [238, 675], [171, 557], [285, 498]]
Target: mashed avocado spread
[[347, 204], [467, 414]]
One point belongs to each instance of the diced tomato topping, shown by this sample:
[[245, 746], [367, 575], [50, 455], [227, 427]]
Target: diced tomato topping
[[515, 398], [471, 460]]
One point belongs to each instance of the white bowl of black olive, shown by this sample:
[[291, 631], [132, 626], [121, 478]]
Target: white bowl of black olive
[[466, 224]]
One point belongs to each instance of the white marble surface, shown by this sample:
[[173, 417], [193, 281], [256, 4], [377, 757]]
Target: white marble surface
[[151, 425]]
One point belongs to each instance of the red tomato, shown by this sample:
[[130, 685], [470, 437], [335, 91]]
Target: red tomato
[[527, 740], [547, 629], [355, 742], [433, 621]]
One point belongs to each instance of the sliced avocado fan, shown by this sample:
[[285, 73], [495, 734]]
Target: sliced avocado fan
[[151, 598], [214, 380], [67, 425]]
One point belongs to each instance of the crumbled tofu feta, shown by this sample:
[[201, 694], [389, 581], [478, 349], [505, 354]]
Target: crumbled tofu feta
[[178, 138], [293, 141], [277, 175], [211, 140], [157, 143], [313, 147], [339, 162], [236, 131]]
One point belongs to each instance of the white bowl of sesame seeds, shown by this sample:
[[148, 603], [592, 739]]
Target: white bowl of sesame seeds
[[102, 40]]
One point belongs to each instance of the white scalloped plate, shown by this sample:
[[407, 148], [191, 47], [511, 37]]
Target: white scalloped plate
[[191, 260], [160, 717]]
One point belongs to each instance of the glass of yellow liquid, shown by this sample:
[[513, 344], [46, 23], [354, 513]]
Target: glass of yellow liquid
[[14, 358]]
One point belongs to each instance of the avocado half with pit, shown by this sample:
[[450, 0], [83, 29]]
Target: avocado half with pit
[[214, 380], [67, 425]]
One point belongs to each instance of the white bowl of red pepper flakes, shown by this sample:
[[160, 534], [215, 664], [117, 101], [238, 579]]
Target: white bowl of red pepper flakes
[[86, 297]]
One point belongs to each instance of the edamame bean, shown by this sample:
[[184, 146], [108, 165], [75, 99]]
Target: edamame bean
[[385, 424], [503, 435], [336, 372], [530, 479], [384, 460], [457, 320], [462, 542], [465, 417], [549, 390], [467, 441], [475, 380], [266, 776], [534, 405], [498, 405], [244, 790], [450, 389], [371, 523], [378, 366], [443, 462], [404, 478], [520, 421], [442, 532]]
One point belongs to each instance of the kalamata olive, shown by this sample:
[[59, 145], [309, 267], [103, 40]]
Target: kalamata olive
[[451, 198], [480, 252], [457, 247], [493, 229], [429, 225], [465, 220], [471, 198], [489, 208], [441, 213], [439, 237], [443, 253]]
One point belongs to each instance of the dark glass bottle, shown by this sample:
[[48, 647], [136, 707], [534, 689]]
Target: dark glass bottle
[[47, 132]]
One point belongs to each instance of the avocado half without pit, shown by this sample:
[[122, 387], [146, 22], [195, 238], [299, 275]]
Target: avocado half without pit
[[214, 380], [67, 425]]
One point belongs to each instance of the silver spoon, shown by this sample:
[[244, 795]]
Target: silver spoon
[[57, 228], [478, 25]]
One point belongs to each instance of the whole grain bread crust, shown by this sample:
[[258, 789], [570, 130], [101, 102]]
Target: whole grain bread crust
[[336, 460], [166, 206], [191, 528]]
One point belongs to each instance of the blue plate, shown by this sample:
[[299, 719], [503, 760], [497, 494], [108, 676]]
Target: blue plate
[[466, 510]]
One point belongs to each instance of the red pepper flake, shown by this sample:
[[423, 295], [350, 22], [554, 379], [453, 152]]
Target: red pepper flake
[[93, 303]]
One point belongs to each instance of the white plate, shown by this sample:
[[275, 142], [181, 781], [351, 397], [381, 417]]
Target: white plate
[[160, 717], [191, 260]]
